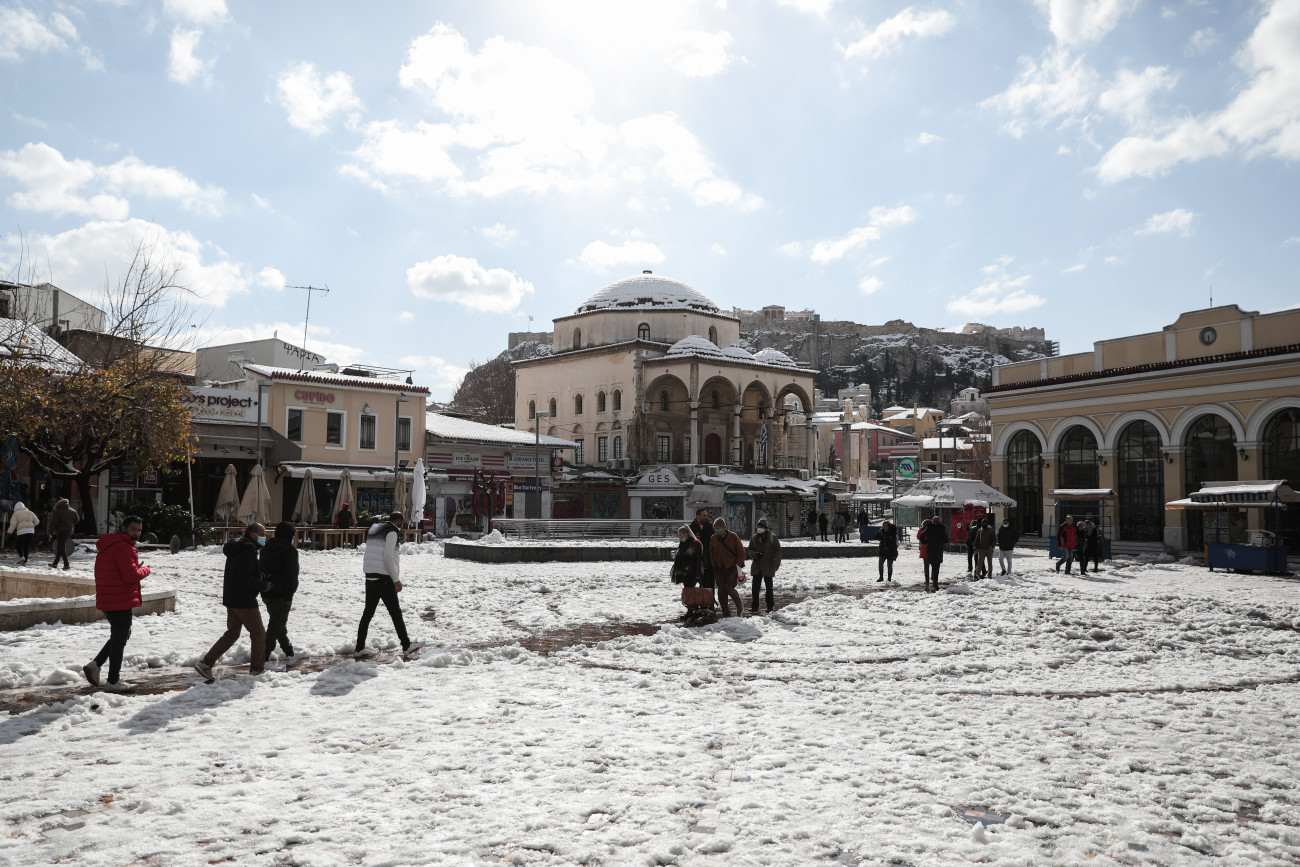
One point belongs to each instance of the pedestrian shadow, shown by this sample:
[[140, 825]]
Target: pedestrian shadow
[[192, 702], [17, 727], [1090, 577], [341, 679]]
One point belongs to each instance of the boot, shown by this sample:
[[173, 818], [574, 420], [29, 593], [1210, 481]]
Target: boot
[[1058, 566]]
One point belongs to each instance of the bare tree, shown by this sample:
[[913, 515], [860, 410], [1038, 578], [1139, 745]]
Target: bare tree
[[487, 392]]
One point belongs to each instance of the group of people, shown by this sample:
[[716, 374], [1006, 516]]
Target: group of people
[[256, 567], [711, 556], [981, 538], [63, 522], [838, 524], [1078, 542]]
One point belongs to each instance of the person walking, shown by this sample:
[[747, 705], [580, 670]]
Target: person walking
[[985, 540], [687, 567], [62, 524], [934, 536], [278, 561], [1089, 546], [240, 586], [382, 565], [22, 524], [118, 574], [764, 560], [344, 520], [1007, 539], [970, 548], [841, 525], [728, 555], [887, 551], [702, 530], [1067, 539], [863, 523], [822, 523]]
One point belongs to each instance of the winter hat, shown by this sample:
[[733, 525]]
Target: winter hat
[[762, 522], [18, 506]]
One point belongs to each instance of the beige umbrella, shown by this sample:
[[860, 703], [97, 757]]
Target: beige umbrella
[[256, 504], [401, 494], [228, 496], [344, 494], [304, 511]]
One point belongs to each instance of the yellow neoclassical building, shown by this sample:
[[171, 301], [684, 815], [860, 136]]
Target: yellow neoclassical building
[[649, 371], [1214, 397]]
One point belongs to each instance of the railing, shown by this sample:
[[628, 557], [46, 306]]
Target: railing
[[536, 528]]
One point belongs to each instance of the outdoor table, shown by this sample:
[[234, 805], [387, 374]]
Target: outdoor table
[[222, 535]]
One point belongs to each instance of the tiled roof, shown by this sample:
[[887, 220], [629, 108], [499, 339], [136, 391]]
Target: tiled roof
[[321, 377]]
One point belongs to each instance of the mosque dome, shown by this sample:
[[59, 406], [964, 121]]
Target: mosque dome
[[738, 352], [695, 345], [775, 357], [647, 290]]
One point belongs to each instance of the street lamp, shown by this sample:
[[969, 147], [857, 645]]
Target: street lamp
[[397, 421], [537, 459]]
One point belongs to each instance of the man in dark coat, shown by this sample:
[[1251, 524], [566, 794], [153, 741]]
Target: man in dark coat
[[702, 528], [822, 523], [1007, 539], [344, 520], [728, 555], [117, 590], [279, 564], [240, 587], [764, 560], [933, 536], [62, 524]]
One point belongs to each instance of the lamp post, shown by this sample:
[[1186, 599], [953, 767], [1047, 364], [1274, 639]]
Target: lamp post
[[397, 421], [260, 386], [537, 459]]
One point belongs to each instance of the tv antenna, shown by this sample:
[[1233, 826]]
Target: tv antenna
[[302, 359]]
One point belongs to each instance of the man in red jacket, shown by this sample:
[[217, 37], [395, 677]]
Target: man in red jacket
[[117, 591]]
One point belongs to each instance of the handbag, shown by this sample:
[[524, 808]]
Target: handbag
[[697, 597]]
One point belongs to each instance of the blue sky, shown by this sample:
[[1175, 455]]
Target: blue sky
[[450, 169]]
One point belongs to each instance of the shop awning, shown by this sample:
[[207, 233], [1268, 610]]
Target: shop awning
[[706, 495], [950, 493], [1271, 494], [1082, 493], [913, 501], [361, 474]]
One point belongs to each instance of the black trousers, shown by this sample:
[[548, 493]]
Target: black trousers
[[381, 588], [756, 582], [932, 573], [23, 544], [61, 548], [880, 564], [277, 616], [119, 623]]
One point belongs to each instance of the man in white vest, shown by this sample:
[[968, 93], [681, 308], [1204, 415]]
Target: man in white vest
[[382, 565]]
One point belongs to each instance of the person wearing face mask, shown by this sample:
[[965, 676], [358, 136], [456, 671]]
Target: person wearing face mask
[[764, 560], [239, 591], [728, 555], [1007, 539]]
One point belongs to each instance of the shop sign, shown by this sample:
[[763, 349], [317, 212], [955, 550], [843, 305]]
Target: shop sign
[[659, 479], [465, 460], [314, 397], [222, 404], [522, 462], [510, 492], [528, 486], [557, 463]]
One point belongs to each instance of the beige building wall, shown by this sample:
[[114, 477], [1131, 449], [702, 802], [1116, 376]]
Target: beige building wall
[[604, 327]]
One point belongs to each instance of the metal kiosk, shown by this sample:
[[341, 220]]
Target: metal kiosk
[[1094, 503], [1264, 551]]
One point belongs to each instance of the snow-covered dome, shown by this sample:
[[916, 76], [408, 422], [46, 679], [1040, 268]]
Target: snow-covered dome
[[648, 290], [774, 356], [694, 344], [737, 351]]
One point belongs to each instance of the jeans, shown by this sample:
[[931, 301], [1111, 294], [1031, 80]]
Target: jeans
[[23, 545], [277, 618], [881, 563], [381, 587], [1066, 561], [237, 619], [756, 583], [1004, 560], [61, 548], [726, 581], [119, 623], [984, 562]]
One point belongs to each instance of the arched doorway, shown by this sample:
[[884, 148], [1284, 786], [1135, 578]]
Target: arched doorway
[[1141, 484], [1025, 482], [1077, 459], [1210, 452], [713, 449], [1281, 454]]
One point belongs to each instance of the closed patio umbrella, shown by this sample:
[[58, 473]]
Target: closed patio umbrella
[[401, 493], [256, 504], [228, 496], [416, 513], [304, 511], [344, 494]]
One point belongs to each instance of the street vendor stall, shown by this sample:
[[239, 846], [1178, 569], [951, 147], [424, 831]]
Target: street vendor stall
[[956, 501], [1084, 504], [1227, 545]]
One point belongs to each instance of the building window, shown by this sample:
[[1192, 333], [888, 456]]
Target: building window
[[532, 409], [293, 426], [713, 335], [600, 401], [369, 427], [717, 401], [577, 338], [618, 448], [663, 448], [552, 407], [1025, 482], [1141, 509], [579, 452], [618, 400], [602, 449], [643, 331], [334, 428], [1078, 460], [404, 434], [4, 308], [686, 446], [577, 404]]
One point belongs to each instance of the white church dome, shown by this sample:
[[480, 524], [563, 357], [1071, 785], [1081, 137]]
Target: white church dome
[[695, 345], [774, 356], [648, 290], [737, 351]]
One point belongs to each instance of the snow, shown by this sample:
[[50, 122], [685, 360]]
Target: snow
[[1143, 715], [648, 290], [738, 352], [446, 427], [774, 357], [695, 345]]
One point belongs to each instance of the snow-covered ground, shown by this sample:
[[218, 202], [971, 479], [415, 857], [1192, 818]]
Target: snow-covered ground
[[839, 730]]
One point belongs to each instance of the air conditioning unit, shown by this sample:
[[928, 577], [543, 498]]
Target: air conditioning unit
[[804, 476], [711, 470]]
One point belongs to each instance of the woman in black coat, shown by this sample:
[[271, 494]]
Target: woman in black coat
[[887, 539], [687, 569]]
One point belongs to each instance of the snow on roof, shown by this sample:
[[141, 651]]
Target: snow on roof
[[648, 290], [774, 357], [952, 494], [945, 443], [694, 344], [735, 350], [324, 377], [917, 413], [761, 483], [451, 428], [870, 425], [31, 345]]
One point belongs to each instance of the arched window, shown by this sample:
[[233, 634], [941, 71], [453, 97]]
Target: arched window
[[663, 400], [552, 407], [1282, 461], [716, 400], [577, 338], [713, 335], [577, 404], [643, 331], [1141, 469], [1078, 459], [618, 448], [532, 409], [618, 400], [1211, 456], [1025, 482], [600, 401]]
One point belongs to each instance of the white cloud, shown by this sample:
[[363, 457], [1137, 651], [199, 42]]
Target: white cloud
[[81, 259], [792, 248], [887, 37], [600, 255], [699, 54], [183, 65], [270, 278], [1262, 120], [312, 102], [814, 7], [434, 373], [23, 33], [1203, 41], [499, 234], [197, 11], [718, 249], [683, 163], [1058, 85], [881, 217], [338, 353], [464, 281], [406, 316], [1113, 260], [1076, 22], [61, 186], [953, 200], [1178, 220], [870, 285], [927, 138], [1074, 269], [999, 294], [876, 263], [1294, 240], [1129, 95]]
